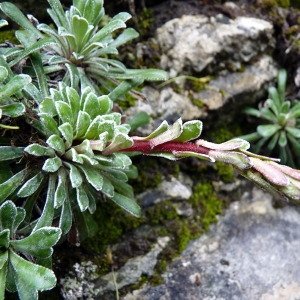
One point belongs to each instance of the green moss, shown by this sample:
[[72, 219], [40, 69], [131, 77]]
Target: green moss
[[162, 212], [112, 222], [145, 19], [273, 3], [205, 199], [184, 236], [8, 35], [224, 171], [198, 102]]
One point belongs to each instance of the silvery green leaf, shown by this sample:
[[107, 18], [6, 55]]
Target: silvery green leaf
[[108, 128], [128, 204], [127, 35], [270, 103], [3, 275], [105, 103], [10, 185], [21, 213], [46, 218], [56, 143], [47, 106], [92, 176], [3, 72], [107, 188], [17, 16], [172, 133], [8, 212], [3, 23], [39, 243], [271, 173], [159, 130], [93, 131], [100, 144], [120, 141], [34, 93], [84, 148], [72, 155], [124, 87], [282, 139], [106, 30], [121, 161], [285, 107], [268, 114], [65, 221], [116, 117], [281, 82], [34, 276], [273, 141], [124, 16], [49, 123], [190, 131], [273, 93], [3, 260], [57, 13], [293, 131], [30, 186], [4, 244], [51, 165], [74, 174], [14, 85], [166, 155], [233, 144], [44, 42], [61, 188], [91, 105], [81, 30], [114, 174], [82, 198], [237, 159], [38, 150], [73, 75], [252, 112], [88, 160], [146, 74], [13, 110], [182, 154], [74, 101], [9, 152], [139, 119], [10, 280], [268, 130], [83, 123], [66, 131], [65, 112], [295, 111]]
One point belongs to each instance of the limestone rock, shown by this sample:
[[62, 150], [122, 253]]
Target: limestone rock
[[171, 189], [131, 272], [251, 253], [196, 42]]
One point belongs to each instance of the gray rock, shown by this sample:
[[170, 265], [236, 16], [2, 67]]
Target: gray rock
[[131, 272], [251, 253], [238, 88], [171, 189], [196, 42]]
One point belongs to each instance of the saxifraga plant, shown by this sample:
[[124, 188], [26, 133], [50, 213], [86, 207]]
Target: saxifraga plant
[[62, 143], [282, 134]]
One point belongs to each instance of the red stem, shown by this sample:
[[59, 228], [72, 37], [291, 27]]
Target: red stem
[[145, 147]]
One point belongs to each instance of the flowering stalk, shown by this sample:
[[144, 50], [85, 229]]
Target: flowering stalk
[[173, 142]]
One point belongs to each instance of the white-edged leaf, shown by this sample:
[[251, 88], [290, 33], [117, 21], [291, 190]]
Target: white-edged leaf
[[30, 186]]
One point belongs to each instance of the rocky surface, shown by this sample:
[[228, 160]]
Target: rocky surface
[[232, 52], [198, 42], [251, 253]]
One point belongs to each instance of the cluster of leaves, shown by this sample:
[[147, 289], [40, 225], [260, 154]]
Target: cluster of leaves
[[57, 89], [282, 134], [72, 147]]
